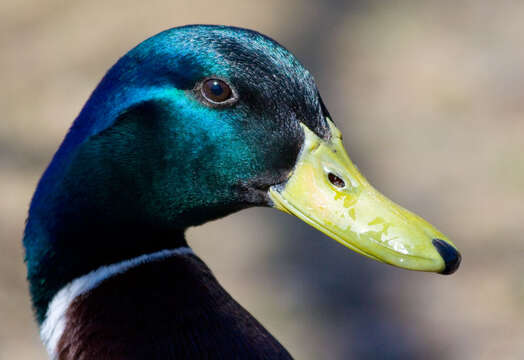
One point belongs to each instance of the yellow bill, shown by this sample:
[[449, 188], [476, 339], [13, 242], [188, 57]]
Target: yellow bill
[[327, 191]]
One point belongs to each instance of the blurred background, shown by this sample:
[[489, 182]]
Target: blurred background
[[430, 99]]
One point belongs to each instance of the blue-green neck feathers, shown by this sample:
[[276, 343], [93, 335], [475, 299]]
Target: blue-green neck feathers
[[146, 158]]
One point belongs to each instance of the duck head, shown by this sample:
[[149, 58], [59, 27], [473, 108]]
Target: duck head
[[191, 125]]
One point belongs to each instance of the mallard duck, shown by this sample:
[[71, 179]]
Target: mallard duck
[[191, 125]]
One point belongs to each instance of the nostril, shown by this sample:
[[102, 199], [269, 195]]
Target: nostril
[[450, 255], [335, 180]]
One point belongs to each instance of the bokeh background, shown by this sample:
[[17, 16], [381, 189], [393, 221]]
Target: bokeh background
[[430, 99]]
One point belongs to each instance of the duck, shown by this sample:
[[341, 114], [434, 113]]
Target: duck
[[193, 124]]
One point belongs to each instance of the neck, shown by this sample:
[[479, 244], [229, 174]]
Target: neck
[[56, 256], [55, 322], [165, 305]]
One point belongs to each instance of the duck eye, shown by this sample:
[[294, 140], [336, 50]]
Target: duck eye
[[216, 91]]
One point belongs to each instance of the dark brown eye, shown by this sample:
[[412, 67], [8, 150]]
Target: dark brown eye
[[216, 91]]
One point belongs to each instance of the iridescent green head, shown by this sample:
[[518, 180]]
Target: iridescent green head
[[193, 124]]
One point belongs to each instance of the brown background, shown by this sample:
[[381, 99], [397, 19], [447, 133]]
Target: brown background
[[430, 98]]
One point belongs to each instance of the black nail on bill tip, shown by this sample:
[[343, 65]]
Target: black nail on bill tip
[[450, 255]]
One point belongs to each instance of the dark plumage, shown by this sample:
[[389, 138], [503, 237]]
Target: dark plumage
[[180, 312]]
